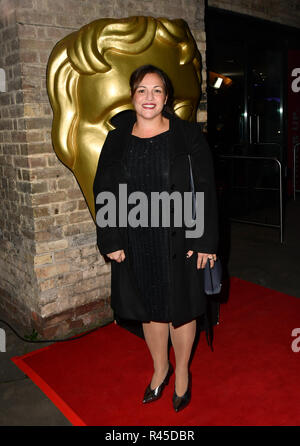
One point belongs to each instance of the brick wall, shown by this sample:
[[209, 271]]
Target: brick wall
[[16, 215], [52, 277]]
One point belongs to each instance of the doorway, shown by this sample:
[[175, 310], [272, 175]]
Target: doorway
[[247, 113]]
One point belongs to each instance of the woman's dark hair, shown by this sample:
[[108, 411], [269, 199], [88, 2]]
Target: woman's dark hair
[[138, 75]]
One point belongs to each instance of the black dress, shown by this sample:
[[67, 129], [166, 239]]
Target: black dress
[[147, 166]]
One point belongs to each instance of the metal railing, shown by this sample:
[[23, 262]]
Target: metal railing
[[296, 146], [276, 161], [261, 147]]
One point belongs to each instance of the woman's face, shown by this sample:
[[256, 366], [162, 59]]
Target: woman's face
[[149, 97]]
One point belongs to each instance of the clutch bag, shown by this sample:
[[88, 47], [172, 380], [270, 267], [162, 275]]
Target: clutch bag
[[213, 277]]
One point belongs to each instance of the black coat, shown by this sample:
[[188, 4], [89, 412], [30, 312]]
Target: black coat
[[187, 300]]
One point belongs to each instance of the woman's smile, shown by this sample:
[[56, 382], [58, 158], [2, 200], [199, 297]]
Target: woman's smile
[[149, 106]]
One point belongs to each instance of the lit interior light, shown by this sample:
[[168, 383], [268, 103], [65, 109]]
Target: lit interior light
[[218, 82]]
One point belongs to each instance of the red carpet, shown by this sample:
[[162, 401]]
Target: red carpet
[[251, 378]]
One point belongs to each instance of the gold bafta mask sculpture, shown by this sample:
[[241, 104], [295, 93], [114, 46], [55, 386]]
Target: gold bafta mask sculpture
[[88, 83]]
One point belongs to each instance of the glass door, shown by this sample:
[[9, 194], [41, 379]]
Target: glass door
[[264, 100], [245, 119]]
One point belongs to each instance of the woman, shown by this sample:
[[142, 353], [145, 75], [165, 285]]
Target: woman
[[157, 272]]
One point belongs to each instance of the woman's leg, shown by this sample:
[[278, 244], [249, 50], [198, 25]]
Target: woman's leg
[[182, 339], [157, 336]]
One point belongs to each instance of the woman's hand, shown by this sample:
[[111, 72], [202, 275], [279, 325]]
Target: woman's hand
[[118, 256], [203, 258]]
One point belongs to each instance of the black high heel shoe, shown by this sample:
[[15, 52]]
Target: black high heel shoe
[[154, 394], [180, 402]]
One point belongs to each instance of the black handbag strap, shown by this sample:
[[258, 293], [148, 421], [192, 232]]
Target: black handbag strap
[[192, 189]]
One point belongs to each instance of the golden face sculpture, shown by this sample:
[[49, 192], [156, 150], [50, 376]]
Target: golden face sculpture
[[88, 83]]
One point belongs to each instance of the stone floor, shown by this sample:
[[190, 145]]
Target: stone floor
[[253, 253]]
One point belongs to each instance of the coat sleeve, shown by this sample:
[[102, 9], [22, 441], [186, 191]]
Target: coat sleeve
[[204, 181], [108, 238]]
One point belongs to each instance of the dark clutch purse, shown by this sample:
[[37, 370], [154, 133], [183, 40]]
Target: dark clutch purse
[[212, 276]]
